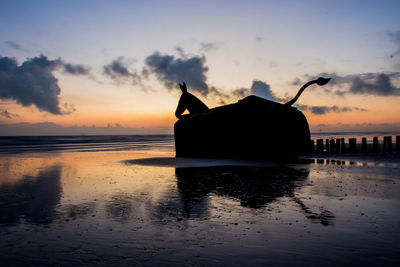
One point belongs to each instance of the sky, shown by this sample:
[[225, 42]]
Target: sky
[[113, 67]]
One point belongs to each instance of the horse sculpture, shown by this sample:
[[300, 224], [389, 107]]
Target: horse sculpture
[[251, 128], [189, 102]]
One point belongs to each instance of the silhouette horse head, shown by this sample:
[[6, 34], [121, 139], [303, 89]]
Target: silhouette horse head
[[189, 102]]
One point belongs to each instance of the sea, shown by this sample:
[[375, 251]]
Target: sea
[[84, 143], [92, 143]]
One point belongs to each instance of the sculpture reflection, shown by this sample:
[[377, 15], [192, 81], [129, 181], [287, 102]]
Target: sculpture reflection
[[33, 199], [253, 187]]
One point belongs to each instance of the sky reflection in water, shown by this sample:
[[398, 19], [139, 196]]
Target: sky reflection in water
[[96, 208]]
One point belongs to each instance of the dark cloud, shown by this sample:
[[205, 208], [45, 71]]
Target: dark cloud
[[31, 83], [168, 69], [118, 71], [6, 114], [258, 88], [320, 110], [180, 51], [171, 70], [242, 92], [209, 46], [380, 84], [384, 128], [13, 45], [360, 109], [222, 97], [76, 69], [117, 68], [262, 89], [301, 107]]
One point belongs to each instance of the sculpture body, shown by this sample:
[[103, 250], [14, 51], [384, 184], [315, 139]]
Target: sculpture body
[[251, 128]]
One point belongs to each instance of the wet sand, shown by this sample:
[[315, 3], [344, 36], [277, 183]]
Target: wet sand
[[147, 208]]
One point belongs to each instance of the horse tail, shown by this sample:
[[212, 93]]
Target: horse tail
[[320, 81]]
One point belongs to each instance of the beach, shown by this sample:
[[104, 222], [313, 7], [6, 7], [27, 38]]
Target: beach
[[130, 202]]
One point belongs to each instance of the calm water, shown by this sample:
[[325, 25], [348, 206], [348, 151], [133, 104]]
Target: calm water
[[132, 203], [22, 144]]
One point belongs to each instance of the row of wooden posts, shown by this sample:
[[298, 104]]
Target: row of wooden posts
[[338, 145]]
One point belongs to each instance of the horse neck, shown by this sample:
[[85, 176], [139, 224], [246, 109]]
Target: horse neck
[[182, 104]]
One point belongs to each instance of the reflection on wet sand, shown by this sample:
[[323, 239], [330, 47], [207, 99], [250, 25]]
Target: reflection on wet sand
[[79, 210], [33, 199], [254, 187], [98, 208], [120, 207]]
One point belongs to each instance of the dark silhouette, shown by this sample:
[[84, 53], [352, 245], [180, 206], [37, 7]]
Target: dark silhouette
[[254, 187], [320, 81], [189, 102], [251, 128]]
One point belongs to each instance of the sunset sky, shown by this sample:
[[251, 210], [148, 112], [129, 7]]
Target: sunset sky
[[100, 67]]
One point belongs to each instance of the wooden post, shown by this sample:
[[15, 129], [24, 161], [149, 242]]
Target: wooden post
[[376, 145], [332, 145], [384, 149], [320, 145], [343, 145], [327, 145], [390, 146], [352, 145], [312, 146], [398, 144], [337, 149], [364, 145]]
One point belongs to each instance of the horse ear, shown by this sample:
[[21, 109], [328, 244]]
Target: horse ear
[[183, 87]]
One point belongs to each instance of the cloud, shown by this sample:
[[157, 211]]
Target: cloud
[[209, 46], [320, 110], [242, 92], [118, 71], [171, 70], [379, 128], [380, 84], [76, 69], [6, 114], [262, 89], [13, 45], [168, 69], [31, 83], [258, 88]]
